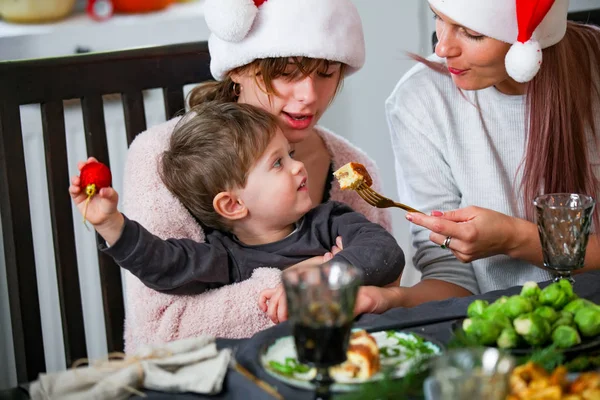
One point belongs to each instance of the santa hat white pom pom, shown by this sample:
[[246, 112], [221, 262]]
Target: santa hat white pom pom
[[230, 20], [523, 60]]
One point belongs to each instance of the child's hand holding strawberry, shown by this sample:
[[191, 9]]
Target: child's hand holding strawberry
[[99, 204]]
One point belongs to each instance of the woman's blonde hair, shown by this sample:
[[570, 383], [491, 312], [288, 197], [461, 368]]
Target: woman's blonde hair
[[265, 71]]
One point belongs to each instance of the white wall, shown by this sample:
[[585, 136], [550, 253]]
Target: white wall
[[582, 5]]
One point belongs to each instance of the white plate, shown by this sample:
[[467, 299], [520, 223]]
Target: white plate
[[394, 350]]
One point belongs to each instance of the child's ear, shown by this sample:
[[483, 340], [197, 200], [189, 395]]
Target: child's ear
[[229, 206]]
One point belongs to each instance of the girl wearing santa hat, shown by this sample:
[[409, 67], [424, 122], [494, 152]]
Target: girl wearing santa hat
[[509, 108], [288, 57]]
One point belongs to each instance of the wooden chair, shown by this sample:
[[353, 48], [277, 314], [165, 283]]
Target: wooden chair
[[49, 82]]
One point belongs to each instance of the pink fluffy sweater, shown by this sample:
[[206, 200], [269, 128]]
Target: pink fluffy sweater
[[231, 311]]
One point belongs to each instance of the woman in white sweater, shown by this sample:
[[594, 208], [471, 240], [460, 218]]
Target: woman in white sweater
[[478, 132]]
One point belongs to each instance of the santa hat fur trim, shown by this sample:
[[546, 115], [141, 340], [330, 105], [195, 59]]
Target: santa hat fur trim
[[245, 30]]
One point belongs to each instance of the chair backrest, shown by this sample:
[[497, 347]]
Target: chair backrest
[[49, 82]]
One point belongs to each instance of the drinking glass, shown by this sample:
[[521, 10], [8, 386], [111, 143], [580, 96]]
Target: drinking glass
[[564, 221], [473, 373], [320, 310]]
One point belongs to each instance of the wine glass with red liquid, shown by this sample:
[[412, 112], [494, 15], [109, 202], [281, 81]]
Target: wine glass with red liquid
[[321, 310]]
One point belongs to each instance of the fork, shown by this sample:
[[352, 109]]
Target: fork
[[379, 201]]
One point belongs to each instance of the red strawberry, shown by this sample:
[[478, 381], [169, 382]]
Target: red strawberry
[[93, 177]]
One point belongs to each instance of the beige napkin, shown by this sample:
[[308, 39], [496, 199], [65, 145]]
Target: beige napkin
[[187, 365]]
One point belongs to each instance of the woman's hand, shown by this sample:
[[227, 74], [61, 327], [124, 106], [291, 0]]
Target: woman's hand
[[372, 299], [479, 232], [339, 246], [376, 300]]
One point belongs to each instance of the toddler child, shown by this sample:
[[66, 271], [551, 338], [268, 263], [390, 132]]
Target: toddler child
[[231, 166]]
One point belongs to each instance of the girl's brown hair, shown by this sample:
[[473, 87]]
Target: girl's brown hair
[[265, 71], [212, 150]]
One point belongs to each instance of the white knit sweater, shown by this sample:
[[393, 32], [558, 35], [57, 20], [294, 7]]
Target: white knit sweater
[[452, 152]]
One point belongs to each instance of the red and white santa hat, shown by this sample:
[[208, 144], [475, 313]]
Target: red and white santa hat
[[529, 25], [245, 30]]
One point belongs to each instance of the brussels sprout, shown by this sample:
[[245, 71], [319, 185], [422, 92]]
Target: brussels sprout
[[531, 289], [565, 337], [548, 313], [484, 332], [566, 287], [588, 321], [508, 339], [555, 296], [496, 306], [476, 308], [534, 329], [501, 300], [516, 305], [564, 318], [535, 302], [497, 315], [577, 304], [495, 312]]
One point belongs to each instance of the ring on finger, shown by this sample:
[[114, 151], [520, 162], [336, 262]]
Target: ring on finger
[[446, 244]]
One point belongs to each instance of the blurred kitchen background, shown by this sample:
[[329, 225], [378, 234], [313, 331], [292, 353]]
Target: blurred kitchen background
[[392, 28]]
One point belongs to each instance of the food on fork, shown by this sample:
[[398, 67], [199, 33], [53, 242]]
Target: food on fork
[[363, 358], [352, 175]]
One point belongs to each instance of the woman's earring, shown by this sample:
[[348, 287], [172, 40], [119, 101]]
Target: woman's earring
[[237, 89]]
